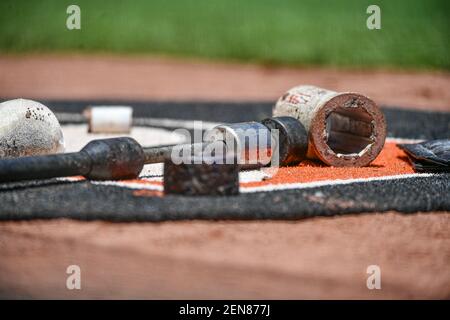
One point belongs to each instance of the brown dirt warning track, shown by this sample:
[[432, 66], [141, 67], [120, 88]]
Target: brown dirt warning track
[[143, 78], [310, 258]]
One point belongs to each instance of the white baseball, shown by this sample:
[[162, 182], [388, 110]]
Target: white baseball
[[28, 128]]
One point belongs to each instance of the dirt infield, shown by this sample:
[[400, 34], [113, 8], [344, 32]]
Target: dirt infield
[[141, 78], [316, 258], [311, 258]]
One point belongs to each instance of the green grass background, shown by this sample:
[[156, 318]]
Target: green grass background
[[414, 34]]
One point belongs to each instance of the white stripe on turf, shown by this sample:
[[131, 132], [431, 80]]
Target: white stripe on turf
[[273, 187], [175, 123], [403, 140], [306, 185], [130, 185]]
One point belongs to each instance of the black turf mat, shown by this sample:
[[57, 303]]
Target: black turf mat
[[86, 201], [412, 124]]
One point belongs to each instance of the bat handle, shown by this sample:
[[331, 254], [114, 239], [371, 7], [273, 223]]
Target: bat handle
[[45, 167]]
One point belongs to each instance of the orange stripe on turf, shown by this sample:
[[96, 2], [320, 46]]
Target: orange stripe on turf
[[391, 161]]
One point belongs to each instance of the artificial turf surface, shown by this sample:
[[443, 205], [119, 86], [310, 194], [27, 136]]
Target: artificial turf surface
[[414, 33], [85, 200]]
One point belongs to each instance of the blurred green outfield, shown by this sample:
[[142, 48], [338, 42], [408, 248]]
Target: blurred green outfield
[[414, 34]]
